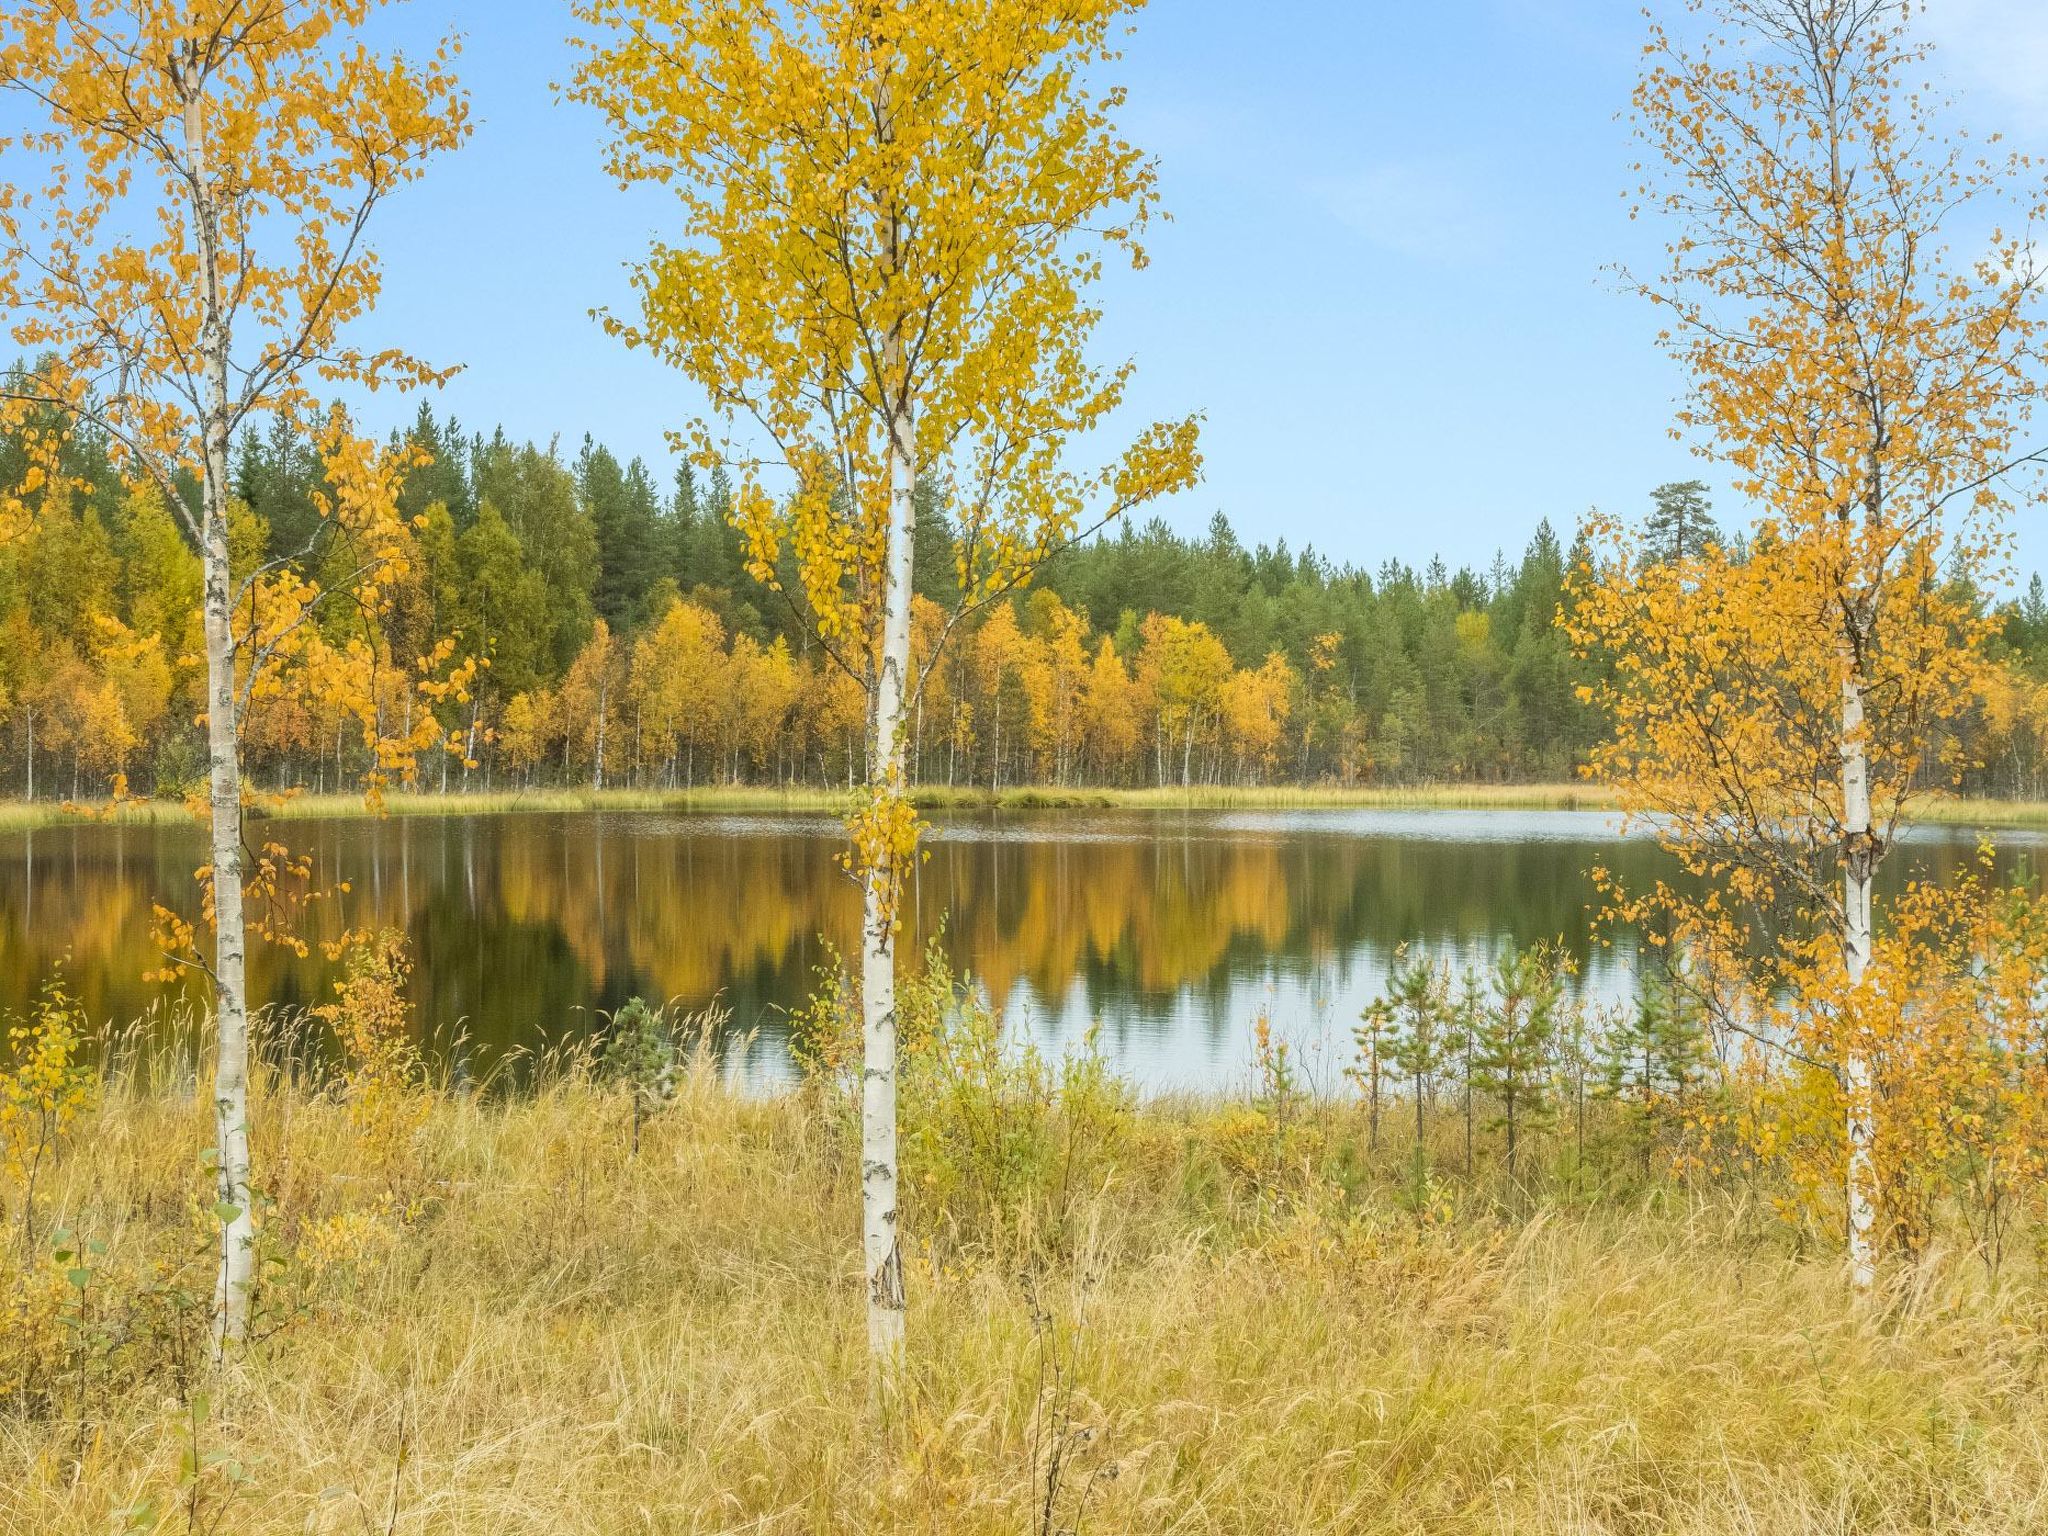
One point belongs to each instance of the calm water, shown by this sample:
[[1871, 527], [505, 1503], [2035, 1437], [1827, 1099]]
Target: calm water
[[1173, 931]]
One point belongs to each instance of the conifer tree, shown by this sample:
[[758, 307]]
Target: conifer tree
[[1514, 1039], [1653, 1058], [1417, 997], [1680, 524]]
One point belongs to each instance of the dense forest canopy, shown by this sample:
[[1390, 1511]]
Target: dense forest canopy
[[627, 644]]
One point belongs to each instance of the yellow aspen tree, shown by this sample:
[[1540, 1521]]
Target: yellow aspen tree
[[1183, 667], [589, 693], [1001, 661], [523, 733], [936, 701], [1778, 713], [891, 215], [1110, 712], [1257, 703], [184, 259], [1055, 682], [679, 673], [767, 693]]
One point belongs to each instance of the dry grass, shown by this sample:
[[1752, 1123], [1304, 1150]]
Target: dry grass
[[566, 1339]]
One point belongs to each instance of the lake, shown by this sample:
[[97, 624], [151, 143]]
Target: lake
[[1174, 932]]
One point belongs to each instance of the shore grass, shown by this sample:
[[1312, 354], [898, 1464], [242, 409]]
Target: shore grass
[[523, 1326], [16, 815]]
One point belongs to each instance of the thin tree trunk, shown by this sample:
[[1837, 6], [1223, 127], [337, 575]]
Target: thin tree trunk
[[1858, 858], [879, 897], [1470, 1108], [1372, 1129], [236, 1277], [1508, 1115]]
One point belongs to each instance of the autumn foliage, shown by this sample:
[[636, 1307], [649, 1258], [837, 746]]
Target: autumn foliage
[[1780, 704]]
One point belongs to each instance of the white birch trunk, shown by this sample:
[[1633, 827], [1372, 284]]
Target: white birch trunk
[[231, 1012], [1857, 1089], [879, 1238]]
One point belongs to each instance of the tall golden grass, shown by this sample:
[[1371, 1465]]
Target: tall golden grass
[[550, 1334]]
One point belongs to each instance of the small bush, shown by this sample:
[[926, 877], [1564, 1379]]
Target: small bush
[[42, 1091], [1001, 1144]]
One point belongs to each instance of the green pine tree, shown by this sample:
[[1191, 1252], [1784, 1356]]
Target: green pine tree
[[1515, 1037], [1680, 523]]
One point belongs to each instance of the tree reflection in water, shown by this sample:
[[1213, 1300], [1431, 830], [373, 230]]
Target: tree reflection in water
[[1174, 931]]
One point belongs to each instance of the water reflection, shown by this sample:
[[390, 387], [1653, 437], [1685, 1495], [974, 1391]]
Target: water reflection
[[1172, 931]]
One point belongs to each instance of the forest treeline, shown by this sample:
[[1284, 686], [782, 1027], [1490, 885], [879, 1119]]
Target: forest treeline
[[624, 642]]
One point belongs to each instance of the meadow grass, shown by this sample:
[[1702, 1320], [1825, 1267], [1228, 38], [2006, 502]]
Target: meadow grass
[[531, 1329]]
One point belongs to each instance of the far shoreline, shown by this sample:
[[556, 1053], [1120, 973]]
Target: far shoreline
[[20, 815]]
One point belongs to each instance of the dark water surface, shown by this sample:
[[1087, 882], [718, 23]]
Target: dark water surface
[[1173, 931]]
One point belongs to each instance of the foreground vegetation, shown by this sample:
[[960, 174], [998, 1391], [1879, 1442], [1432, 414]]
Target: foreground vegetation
[[624, 1298]]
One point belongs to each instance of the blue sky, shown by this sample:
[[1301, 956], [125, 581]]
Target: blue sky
[[1386, 282]]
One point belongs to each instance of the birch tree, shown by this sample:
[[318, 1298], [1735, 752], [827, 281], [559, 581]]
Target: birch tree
[[182, 246], [1778, 715], [890, 215]]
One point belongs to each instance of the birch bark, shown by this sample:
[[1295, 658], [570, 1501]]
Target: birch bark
[[878, 910], [1858, 859], [224, 756]]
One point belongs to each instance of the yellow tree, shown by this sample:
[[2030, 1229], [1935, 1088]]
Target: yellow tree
[[525, 733], [766, 691], [679, 674], [1257, 703], [891, 215], [1002, 659], [185, 258], [1110, 711], [1776, 713], [1055, 682], [138, 676], [1183, 667], [588, 696]]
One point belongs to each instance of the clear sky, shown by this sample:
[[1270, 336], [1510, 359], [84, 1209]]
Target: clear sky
[[1386, 281]]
